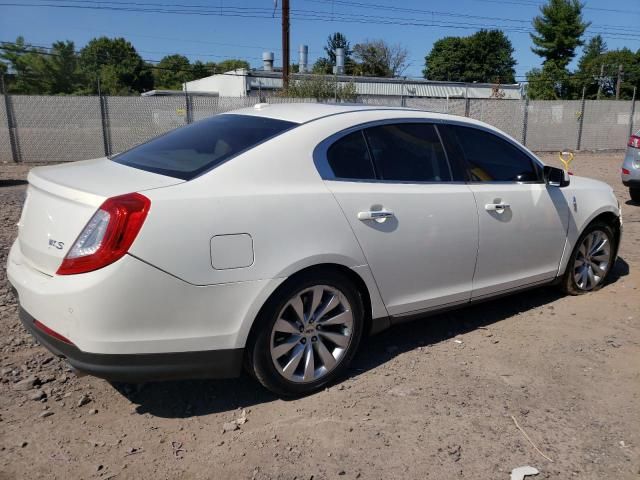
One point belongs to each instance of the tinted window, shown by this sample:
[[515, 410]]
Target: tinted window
[[349, 158], [191, 150], [488, 158], [409, 152]]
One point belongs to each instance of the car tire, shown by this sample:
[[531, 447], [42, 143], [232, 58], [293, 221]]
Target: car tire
[[635, 194], [314, 340], [592, 263]]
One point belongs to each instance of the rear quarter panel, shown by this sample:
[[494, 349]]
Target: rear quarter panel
[[273, 193]]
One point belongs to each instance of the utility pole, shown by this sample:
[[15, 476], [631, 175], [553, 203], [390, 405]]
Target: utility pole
[[285, 43], [619, 82], [600, 81]]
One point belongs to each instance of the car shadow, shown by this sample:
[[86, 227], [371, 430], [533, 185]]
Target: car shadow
[[12, 183], [193, 398], [620, 269]]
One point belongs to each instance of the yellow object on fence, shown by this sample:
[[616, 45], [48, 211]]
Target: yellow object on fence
[[566, 158]]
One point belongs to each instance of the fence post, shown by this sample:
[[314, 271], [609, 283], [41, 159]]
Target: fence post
[[11, 124], [633, 111], [467, 106], [104, 121], [581, 119], [187, 104], [525, 121]]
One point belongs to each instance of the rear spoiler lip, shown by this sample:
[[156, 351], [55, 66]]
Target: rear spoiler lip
[[62, 191]]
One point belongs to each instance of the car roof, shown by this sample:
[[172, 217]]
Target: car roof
[[307, 112]]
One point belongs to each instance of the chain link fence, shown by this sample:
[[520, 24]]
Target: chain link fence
[[67, 128], [56, 129], [5, 140]]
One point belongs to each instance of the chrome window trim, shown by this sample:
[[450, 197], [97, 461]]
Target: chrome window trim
[[321, 161]]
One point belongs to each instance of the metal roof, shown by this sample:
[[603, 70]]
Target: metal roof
[[240, 82], [413, 87]]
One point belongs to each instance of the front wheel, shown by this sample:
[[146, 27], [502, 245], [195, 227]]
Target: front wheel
[[635, 194], [591, 260], [307, 333]]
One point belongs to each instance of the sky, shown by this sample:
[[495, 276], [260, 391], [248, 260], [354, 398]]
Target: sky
[[212, 30]]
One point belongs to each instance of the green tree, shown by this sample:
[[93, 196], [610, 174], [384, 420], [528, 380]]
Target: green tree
[[447, 60], [117, 65], [232, 64], [321, 88], [324, 65], [42, 71], [559, 31], [588, 73], [27, 66], [485, 56], [593, 49], [492, 57], [171, 72], [335, 41], [61, 69], [377, 58], [201, 70], [551, 82]]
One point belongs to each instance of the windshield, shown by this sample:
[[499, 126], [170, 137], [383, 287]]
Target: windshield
[[193, 149]]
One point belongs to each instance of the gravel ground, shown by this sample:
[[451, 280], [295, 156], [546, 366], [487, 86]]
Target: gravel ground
[[436, 398]]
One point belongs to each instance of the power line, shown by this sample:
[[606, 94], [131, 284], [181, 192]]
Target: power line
[[537, 4], [303, 15], [204, 9], [373, 6]]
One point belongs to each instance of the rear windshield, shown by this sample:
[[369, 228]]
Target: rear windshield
[[188, 151]]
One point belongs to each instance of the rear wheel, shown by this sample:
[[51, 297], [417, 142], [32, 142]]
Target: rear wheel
[[635, 194], [308, 333], [591, 260]]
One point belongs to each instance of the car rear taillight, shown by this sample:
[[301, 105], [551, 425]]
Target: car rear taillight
[[634, 141], [108, 235], [625, 171]]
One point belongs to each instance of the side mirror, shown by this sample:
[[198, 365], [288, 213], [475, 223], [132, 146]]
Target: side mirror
[[556, 177]]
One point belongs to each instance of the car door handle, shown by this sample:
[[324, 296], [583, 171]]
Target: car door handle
[[377, 215], [496, 207]]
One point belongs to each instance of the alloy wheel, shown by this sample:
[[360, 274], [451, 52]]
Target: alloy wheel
[[592, 260], [311, 334]]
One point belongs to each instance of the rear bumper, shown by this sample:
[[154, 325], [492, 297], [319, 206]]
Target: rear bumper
[[141, 367], [631, 183], [130, 307]]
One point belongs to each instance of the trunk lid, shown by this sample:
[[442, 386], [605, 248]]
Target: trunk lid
[[61, 199]]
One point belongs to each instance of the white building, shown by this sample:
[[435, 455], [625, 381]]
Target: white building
[[242, 83]]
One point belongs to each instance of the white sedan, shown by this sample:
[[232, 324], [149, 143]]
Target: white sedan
[[275, 237]]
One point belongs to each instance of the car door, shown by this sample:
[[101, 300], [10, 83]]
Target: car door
[[414, 218], [522, 221]]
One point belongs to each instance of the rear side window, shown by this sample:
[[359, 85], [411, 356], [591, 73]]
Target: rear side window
[[487, 157], [408, 152], [349, 158], [188, 151]]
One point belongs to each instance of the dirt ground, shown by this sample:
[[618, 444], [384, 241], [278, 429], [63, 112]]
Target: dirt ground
[[432, 399]]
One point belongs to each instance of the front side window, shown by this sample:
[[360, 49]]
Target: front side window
[[487, 157], [408, 152], [349, 158], [188, 151]]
